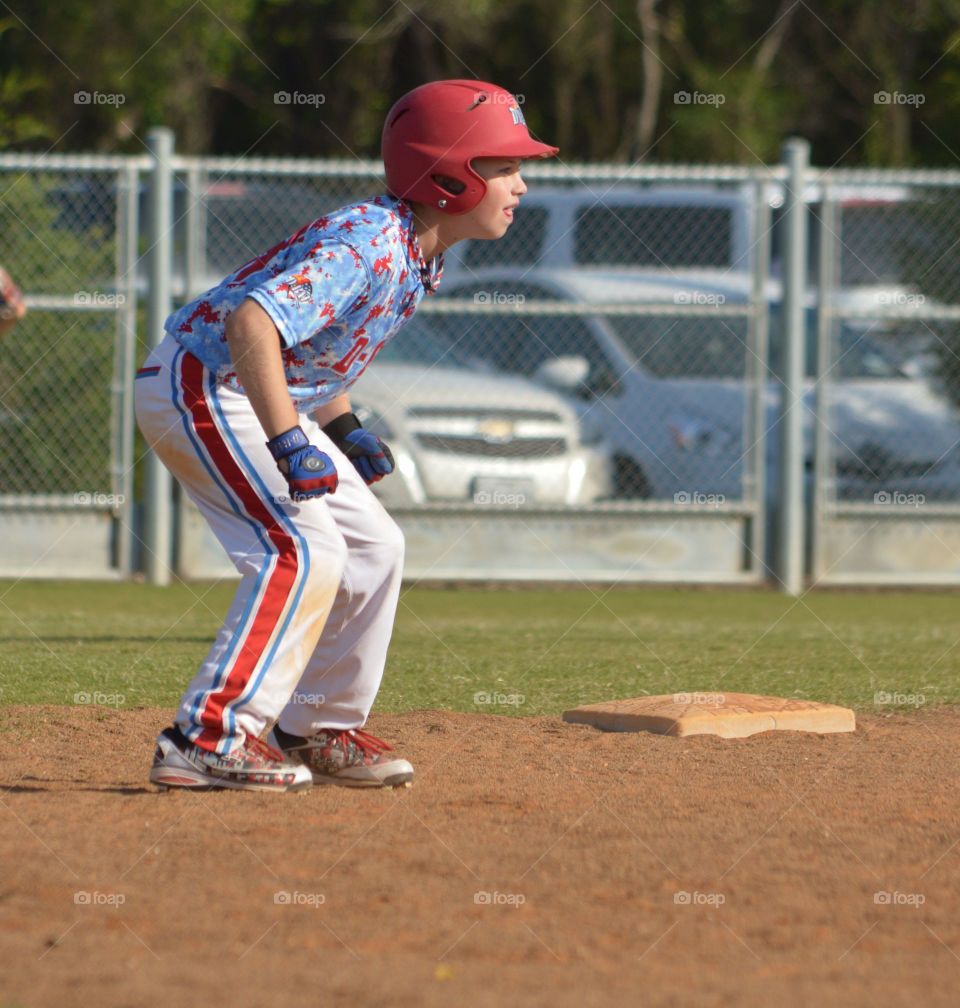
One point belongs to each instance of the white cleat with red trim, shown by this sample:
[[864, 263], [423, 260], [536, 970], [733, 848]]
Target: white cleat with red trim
[[348, 757], [253, 766]]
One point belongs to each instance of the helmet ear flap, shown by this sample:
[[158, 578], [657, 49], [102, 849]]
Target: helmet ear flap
[[453, 186]]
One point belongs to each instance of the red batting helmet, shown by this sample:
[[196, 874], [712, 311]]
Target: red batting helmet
[[439, 128]]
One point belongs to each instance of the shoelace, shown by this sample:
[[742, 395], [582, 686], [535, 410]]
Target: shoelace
[[368, 744], [258, 748]]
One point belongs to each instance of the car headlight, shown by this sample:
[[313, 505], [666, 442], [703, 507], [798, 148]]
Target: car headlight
[[694, 433]]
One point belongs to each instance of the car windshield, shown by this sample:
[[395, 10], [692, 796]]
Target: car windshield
[[653, 235], [509, 341], [703, 347], [418, 343], [857, 355], [861, 356], [678, 347]]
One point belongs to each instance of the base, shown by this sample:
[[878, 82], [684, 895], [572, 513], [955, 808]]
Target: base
[[727, 715]]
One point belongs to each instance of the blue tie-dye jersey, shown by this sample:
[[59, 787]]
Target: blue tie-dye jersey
[[337, 290]]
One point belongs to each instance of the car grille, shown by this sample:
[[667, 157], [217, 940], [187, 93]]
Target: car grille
[[516, 448]]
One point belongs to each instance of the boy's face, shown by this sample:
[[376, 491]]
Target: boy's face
[[491, 217]]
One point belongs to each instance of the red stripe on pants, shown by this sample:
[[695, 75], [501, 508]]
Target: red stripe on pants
[[282, 579]]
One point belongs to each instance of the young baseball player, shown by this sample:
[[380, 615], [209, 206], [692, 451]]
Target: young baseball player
[[246, 402]]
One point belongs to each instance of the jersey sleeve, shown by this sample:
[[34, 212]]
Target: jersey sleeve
[[325, 283]]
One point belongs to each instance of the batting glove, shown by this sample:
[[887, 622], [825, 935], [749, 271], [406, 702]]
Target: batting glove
[[370, 456], [308, 471]]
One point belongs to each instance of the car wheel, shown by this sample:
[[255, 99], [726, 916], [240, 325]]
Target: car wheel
[[629, 480]]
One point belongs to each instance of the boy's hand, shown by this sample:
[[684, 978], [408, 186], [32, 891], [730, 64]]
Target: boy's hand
[[370, 456], [309, 472]]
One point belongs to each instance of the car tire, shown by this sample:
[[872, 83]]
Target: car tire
[[629, 480]]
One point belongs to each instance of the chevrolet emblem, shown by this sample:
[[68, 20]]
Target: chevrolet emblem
[[495, 430]]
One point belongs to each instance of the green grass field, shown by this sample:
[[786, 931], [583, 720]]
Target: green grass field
[[539, 651]]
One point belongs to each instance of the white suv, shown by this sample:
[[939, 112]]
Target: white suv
[[669, 393], [674, 425]]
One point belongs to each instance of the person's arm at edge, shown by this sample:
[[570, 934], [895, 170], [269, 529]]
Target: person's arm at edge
[[12, 305]]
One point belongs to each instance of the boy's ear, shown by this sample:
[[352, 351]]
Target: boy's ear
[[452, 185]]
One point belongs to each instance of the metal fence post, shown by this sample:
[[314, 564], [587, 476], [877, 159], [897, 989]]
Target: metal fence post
[[159, 514], [796, 159], [124, 425]]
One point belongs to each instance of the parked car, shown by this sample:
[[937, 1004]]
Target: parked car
[[669, 392], [621, 227], [667, 434], [461, 436], [675, 228]]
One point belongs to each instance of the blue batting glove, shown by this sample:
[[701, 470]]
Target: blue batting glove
[[308, 471], [370, 456]]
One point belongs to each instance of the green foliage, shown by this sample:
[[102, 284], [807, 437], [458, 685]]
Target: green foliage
[[56, 370], [599, 79], [59, 229]]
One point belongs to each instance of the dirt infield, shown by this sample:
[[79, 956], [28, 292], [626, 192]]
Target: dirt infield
[[532, 863]]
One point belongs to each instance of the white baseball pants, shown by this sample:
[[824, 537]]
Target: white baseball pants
[[305, 640]]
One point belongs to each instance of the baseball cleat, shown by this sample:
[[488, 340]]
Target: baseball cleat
[[253, 766], [348, 757]]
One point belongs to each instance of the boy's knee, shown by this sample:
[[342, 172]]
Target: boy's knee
[[386, 545], [393, 540], [326, 558]]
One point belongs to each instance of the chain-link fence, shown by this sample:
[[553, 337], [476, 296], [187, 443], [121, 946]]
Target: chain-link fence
[[633, 307], [884, 371], [69, 226], [605, 356], [594, 395]]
